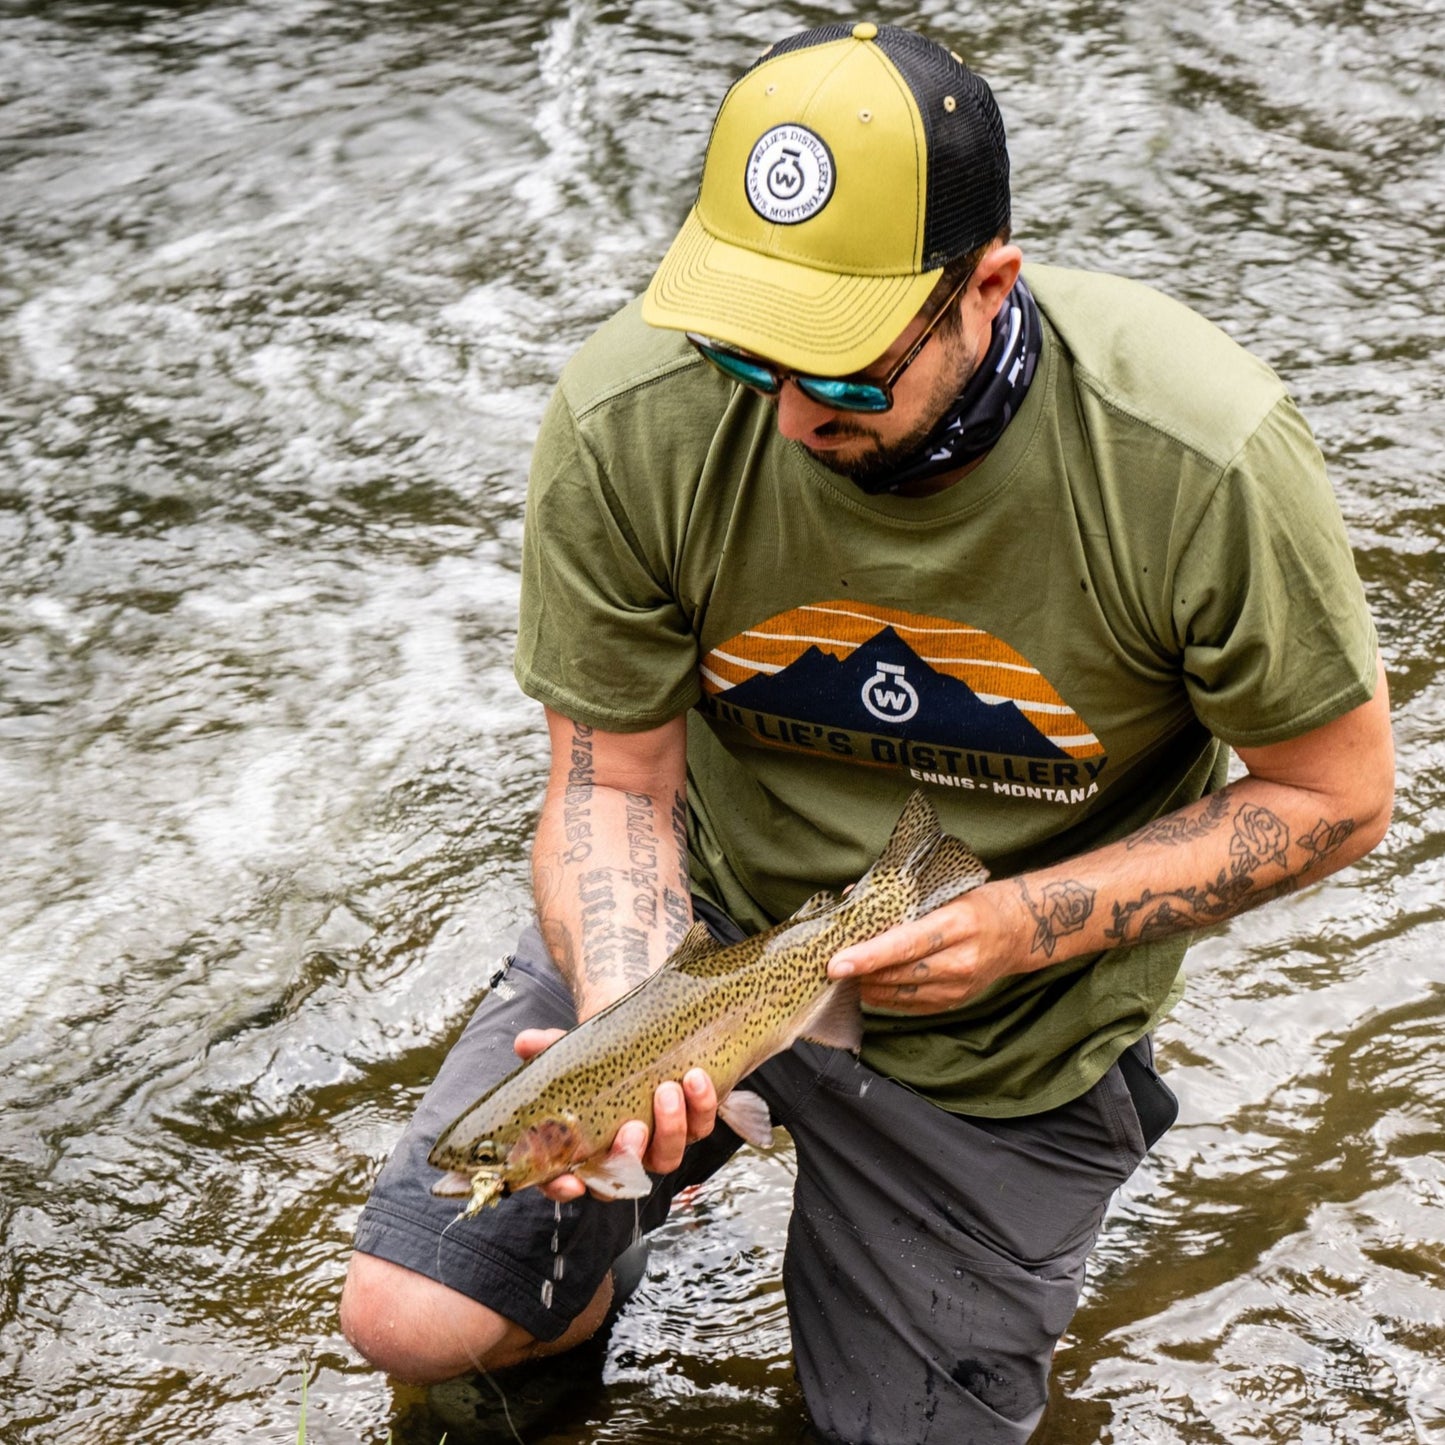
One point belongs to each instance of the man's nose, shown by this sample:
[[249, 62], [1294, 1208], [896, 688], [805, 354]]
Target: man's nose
[[799, 416]]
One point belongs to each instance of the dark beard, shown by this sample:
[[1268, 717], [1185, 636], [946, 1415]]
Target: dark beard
[[873, 471]]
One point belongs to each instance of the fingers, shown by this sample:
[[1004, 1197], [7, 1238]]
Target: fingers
[[701, 1098], [669, 1134], [909, 997], [681, 1113], [907, 943], [926, 965], [530, 1042], [564, 1188]]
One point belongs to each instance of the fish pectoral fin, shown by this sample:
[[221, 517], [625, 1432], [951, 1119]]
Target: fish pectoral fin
[[837, 1021], [453, 1185], [615, 1176], [746, 1114]]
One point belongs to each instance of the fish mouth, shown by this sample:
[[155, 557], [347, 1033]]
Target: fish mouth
[[479, 1187]]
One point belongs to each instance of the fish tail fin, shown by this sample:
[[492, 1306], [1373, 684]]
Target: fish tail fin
[[939, 865], [951, 868], [914, 834]]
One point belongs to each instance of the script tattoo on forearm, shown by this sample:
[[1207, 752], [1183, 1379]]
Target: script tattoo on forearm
[[677, 900], [642, 857], [577, 797], [611, 949], [1063, 908], [608, 947]]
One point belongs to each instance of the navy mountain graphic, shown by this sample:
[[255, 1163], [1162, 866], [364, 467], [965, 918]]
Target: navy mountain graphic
[[818, 688]]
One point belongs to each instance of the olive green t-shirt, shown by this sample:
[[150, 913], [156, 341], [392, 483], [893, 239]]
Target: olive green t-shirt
[[1148, 566]]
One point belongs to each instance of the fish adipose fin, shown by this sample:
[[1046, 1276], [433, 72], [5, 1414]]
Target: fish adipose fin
[[837, 1021], [746, 1114], [820, 902], [615, 1176]]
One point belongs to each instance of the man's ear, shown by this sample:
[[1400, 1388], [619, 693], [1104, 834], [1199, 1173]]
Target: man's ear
[[994, 277]]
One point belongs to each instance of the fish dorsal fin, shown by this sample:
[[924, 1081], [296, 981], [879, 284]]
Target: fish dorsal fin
[[820, 902]]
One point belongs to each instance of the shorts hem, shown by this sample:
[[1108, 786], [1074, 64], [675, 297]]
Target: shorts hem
[[491, 1278]]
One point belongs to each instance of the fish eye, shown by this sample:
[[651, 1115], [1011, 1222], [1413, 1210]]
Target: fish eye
[[484, 1151]]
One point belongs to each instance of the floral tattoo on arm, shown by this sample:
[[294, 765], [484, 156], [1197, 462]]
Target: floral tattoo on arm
[[1259, 839], [1062, 908]]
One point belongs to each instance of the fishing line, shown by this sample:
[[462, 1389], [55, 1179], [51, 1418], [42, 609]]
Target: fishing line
[[506, 1409], [473, 1358]]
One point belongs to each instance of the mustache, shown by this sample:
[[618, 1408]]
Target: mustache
[[841, 428]]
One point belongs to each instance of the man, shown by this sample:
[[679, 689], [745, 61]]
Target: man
[[848, 507]]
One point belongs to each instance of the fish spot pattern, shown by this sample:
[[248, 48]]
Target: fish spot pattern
[[723, 1009]]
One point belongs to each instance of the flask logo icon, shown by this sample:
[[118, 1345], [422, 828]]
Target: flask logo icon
[[889, 695], [785, 179]]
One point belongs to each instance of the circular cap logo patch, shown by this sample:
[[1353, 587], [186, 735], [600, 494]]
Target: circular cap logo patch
[[790, 175]]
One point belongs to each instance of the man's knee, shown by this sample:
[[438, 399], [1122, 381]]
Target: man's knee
[[419, 1330]]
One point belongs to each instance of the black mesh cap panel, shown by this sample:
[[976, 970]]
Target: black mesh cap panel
[[819, 35], [968, 174]]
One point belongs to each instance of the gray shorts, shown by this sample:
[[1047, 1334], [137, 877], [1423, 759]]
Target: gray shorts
[[932, 1260]]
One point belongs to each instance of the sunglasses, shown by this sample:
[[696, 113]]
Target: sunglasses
[[838, 393]]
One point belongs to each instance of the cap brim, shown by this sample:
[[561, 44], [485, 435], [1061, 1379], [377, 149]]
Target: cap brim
[[798, 316]]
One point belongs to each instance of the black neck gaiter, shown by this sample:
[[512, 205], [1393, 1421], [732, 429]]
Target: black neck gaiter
[[990, 400]]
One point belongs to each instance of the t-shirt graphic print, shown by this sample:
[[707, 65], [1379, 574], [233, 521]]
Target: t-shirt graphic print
[[946, 702]]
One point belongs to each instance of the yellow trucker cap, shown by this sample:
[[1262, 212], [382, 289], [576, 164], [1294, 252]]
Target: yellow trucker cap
[[844, 170]]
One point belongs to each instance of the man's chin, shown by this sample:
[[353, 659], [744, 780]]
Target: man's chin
[[870, 471]]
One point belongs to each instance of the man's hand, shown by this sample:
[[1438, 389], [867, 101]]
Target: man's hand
[[682, 1112], [936, 962]]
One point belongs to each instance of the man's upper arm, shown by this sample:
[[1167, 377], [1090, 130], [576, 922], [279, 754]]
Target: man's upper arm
[[652, 761], [1348, 764]]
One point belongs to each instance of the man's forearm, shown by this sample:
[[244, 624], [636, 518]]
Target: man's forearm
[[1211, 860], [609, 873], [1308, 806]]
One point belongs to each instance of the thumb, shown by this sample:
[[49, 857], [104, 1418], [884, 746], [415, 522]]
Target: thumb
[[530, 1042]]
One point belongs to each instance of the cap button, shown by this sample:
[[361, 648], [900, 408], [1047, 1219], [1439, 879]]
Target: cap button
[[866, 30]]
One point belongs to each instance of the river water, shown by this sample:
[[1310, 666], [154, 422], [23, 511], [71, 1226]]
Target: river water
[[283, 287]]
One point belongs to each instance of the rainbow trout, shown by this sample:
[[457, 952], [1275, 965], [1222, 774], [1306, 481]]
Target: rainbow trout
[[724, 1009]]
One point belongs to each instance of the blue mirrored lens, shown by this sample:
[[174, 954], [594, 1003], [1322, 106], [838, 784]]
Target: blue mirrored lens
[[830, 391], [844, 395], [760, 378]]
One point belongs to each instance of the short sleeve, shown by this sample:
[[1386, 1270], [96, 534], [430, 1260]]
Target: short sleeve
[[1268, 609], [601, 636]]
